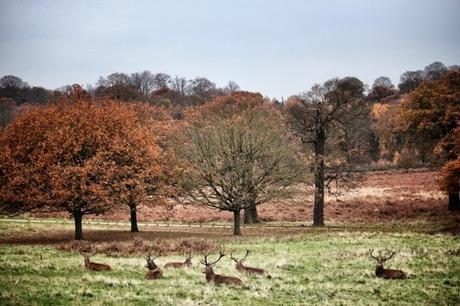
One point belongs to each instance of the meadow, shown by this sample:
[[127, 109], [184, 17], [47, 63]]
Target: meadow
[[397, 210], [305, 266]]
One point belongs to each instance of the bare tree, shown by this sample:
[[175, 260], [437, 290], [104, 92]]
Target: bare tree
[[161, 80], [231, 87], [237, 153], [410, 80], [434, 71], [323, 118], [179, 85], [143, 81], [383, 81], [202, 88]]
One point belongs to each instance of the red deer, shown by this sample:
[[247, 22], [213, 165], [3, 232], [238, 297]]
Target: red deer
[[154, 271], [94, 266], [216, 278], [186, 263], [247, 270], [386, 273]]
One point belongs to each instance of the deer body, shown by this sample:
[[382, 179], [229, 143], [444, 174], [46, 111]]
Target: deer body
[[217, 279], [154, 274], [380, 271], [249, 270], [94, 266], [389, 273], [154, 271], [186, 263], [246, 270]]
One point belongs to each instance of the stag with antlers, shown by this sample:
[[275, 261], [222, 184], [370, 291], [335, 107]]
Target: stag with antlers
[[154, 271], [217, 279], [246, 270], [186, 263], [94, 266], [386, 273]]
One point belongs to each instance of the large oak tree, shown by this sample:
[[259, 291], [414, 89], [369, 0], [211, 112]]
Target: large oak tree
[[237, 153]]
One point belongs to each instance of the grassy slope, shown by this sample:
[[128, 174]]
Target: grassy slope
[[326, 268]]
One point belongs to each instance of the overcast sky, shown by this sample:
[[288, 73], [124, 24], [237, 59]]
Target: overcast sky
[[278, 48]]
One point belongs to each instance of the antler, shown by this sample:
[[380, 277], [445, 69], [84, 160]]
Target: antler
[[149, 257], [159, 254], [370, 253], [388, 257], [206, 263], [244, 258], [239, 260], [83, 253], [234, 259], [220, 257]]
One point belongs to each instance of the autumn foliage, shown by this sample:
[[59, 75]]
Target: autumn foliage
[[79, 155], [428, 117], [429, 120]]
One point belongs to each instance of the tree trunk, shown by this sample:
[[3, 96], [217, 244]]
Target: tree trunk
[[78, 216], [133, 210], [236, 223], [250, 215], [454, 202], [318, 209]]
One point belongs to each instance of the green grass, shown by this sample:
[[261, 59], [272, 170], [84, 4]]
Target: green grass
[[327, 268]]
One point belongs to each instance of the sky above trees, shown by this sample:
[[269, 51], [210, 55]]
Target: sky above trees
[[278, 48]]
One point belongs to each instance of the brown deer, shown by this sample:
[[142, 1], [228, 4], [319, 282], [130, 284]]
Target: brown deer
[[94, 266], [386, 273], [216, 278], [154, 271], [186, 263], [247, 270]]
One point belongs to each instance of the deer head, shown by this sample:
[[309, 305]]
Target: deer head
[[150, 261], [381, 259], [94, 265], [87, 256], [208, 265], [244, 269], [239, 262]]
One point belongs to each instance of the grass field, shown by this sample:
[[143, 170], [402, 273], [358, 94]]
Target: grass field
[[327, 266]]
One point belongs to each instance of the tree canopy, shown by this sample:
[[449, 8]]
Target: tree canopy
[[237, 153], [78, 155]]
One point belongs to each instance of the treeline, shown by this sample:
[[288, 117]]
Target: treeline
[[140, 139], [158, 89]]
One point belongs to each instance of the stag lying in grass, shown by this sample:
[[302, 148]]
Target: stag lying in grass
[[186, 263], [386, 273], [94, 266], [246, 270], [217, 279], [154, 271]]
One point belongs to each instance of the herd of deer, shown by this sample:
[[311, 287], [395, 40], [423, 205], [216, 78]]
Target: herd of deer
[[154, 272]]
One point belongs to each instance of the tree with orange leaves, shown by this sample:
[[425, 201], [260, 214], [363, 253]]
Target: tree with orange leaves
[[77, 155], [236, 152], [428, 119]]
